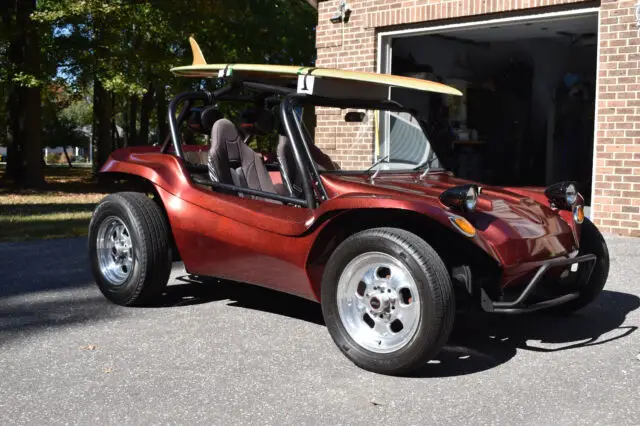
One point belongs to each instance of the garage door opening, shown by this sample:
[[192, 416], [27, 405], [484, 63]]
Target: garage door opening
[[528, 111]]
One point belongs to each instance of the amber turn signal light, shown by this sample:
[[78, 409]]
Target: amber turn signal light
[[463, 225], [578, 214]]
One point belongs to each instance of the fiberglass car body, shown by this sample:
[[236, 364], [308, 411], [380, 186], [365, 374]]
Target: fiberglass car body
[[388, 253]]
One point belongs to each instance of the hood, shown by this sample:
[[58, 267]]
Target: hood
[[427, 189], [516, 225]]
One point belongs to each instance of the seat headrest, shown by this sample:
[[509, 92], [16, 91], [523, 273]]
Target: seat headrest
[[257, 121], [226, 139], [201, 120]]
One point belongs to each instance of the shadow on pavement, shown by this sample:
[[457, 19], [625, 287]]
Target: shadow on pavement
[[486, 341], [43, 266], [478, 343], [21, 318], [46, 285], [195, 291]]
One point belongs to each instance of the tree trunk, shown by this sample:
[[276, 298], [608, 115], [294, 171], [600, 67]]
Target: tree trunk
[[116, 141], [34, 173], [145, 115], [102, 102], [66, 155], [6, 13], [161, 113], [132, 132], [15, 156], [24, 112], [102, 142]]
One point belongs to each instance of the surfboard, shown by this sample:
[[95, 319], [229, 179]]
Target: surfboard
[[201, 69]]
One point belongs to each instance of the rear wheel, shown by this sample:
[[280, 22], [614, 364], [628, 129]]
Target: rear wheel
[[129, 248], [387, 300], [591, 242]]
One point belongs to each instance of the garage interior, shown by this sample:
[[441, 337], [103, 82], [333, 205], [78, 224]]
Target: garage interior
[[528, 111]]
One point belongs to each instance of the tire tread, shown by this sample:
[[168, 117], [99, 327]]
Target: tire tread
[[440, 290], [154, 251]]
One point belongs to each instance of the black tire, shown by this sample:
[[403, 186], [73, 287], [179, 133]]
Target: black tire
[[591, 242], [149, 233], [437, 311]]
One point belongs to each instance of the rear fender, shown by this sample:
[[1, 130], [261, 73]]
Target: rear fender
[[163, 170], [147, 172]]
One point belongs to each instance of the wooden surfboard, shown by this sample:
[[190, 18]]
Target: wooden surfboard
[[201, 69]]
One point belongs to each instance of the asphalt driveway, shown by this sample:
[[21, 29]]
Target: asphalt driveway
[[224, 353]]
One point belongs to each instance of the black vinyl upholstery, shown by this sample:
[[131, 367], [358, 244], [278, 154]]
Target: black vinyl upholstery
[[232, 162], [288, 167], [202, 120]]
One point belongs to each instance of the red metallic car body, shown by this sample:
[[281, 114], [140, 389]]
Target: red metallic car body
[[271, 245]]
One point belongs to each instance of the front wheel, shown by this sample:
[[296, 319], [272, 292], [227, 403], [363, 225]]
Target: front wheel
[[591, 242], [387, 300], [129, 248]]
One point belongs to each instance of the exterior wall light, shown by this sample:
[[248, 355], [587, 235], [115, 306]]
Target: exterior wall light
[[342, 14]]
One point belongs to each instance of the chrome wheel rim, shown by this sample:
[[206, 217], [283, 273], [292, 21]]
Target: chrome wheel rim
[[114, 250], [378, 302]]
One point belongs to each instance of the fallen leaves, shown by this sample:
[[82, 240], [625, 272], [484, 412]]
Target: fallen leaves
[[89, 347]]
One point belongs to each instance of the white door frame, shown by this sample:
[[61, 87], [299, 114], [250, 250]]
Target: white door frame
[[384, 52]]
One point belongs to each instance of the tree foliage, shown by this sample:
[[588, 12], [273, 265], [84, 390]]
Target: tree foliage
[[119, 53]]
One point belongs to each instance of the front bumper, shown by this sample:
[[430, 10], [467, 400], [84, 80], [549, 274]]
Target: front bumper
[[523, 304]]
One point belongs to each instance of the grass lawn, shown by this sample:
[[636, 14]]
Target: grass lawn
[[62, 209]]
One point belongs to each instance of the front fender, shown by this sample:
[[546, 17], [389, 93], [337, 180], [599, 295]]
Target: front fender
[[390, 203]]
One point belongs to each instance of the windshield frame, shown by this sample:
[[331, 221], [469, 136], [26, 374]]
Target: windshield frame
[[380, 105]]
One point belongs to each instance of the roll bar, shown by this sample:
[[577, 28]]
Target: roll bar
[[306, 165]]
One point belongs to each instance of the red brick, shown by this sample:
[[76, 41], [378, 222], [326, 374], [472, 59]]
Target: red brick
[[623, 216], [629, 225]]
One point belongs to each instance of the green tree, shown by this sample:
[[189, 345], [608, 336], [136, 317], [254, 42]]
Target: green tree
[[65, 114], [121, 51]]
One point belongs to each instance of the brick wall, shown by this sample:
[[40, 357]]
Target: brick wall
[[353, 45], [616, 205], [349, 46], [348, 144]]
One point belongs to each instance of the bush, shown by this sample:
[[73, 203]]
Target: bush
[[59, 158], [53, 158]]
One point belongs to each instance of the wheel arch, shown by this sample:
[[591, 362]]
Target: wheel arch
[[454, 248], [123, 181]]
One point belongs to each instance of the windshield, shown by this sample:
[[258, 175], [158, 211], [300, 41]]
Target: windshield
[[361, 139]]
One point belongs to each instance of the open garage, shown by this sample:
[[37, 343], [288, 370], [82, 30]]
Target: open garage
[[527, 114]]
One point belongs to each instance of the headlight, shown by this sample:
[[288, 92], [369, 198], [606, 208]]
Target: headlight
[[472, 199], [462, 198], [571, 193], [562, 195]]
